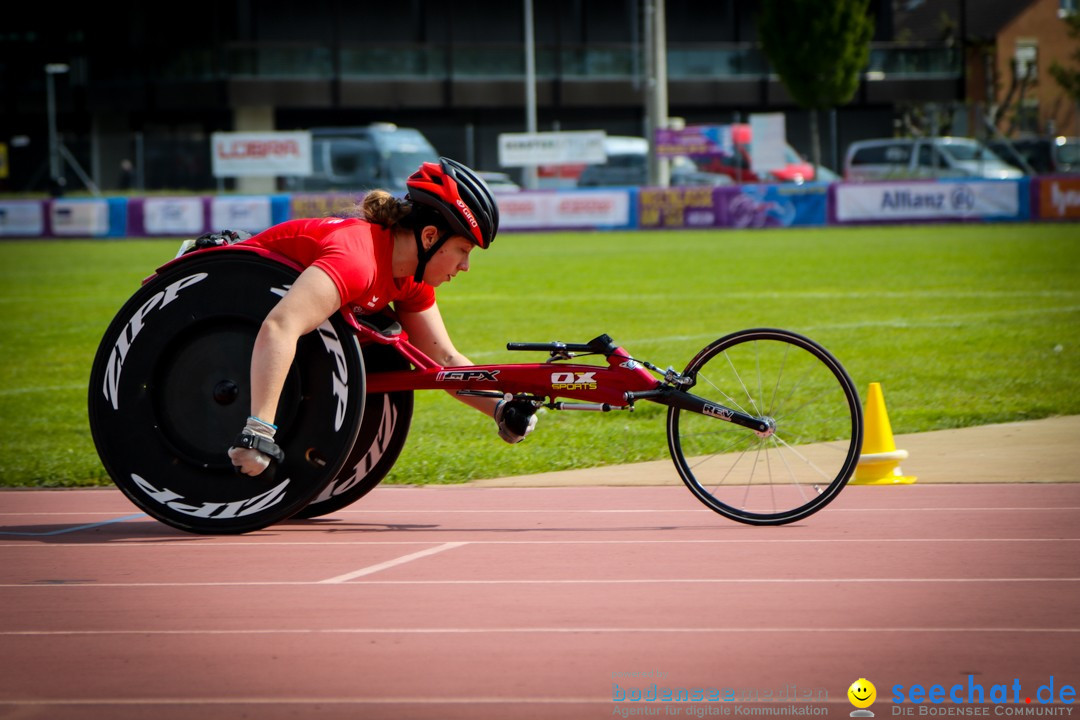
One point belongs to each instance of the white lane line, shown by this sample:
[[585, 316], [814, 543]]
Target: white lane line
[[372, 569], [313, 701], [538, 630], [555, 581], [561, 511], [39, 389], [195, 544], [601, 511]]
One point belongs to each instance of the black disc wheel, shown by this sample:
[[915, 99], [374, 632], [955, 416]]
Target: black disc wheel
[[814, 420], [169, 393], [382, 436]]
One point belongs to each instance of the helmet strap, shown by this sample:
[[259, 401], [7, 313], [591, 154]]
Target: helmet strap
[[422, 255]]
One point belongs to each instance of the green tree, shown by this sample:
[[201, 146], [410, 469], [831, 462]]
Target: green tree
[[819, 48], [1069, 77]]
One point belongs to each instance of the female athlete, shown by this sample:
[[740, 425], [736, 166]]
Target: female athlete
[[396, 251]]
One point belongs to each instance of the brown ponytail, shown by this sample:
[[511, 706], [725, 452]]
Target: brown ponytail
[[379, 206]]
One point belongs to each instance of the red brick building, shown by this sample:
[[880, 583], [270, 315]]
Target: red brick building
[[1009, 67]]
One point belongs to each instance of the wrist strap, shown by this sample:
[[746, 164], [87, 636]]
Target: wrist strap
[[265, 445]]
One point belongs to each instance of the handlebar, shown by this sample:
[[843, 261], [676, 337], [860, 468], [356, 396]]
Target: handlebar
[[548, 347], [603, 345]]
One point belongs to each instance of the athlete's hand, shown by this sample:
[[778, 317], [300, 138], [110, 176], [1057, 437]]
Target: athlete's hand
[[515, 419], [254, 448]]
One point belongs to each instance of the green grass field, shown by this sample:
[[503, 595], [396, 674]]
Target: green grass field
[[962, 325]]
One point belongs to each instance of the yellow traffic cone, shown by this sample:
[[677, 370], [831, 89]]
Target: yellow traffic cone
[[879, 463]]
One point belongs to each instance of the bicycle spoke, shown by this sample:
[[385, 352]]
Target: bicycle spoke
[[727, 399]]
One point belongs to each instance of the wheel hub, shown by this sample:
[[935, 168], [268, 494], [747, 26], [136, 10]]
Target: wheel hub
[[770, 428]]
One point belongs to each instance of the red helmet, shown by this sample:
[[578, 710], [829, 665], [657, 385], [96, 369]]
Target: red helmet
[[459, 196]]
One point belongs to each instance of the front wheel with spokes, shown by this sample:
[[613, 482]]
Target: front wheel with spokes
[[802, 461]]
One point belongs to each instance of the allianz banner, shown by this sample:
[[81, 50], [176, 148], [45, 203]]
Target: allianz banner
[[930, 201]]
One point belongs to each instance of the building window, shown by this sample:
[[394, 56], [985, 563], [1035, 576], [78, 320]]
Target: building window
[[1026, 58], [1027, 117], [1066, 8]]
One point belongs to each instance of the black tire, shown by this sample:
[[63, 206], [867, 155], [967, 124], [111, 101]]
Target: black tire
[[382, 436], [787, 474], [169, 392]]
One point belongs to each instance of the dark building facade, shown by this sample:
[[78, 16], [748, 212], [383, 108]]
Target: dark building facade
[[151, 87]]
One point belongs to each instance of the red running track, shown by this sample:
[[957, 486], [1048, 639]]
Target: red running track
[[464, 602]]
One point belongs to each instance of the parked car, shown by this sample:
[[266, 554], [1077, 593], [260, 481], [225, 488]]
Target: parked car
[[628, 165], [740, 168], [1042, 155], [498, 181], [936, 157], [824, 174]]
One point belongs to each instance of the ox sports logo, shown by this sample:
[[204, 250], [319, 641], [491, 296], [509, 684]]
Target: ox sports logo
[[573, 381]]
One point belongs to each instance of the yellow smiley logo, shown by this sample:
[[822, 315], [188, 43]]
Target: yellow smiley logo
[[862, 693]]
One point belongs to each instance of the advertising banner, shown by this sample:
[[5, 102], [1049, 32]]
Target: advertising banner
[[250, 213], [184, 216], [315, 205], [679, 208], [1057, 197], [552, 148], [931, 201], [265, 154], [778, 205], [79, 218], [560, 210], [22, 218], [695, 140], [744, 206]]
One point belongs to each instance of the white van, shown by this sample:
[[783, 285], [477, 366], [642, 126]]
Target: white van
[[354, 159], [937, 157], [627, 165]]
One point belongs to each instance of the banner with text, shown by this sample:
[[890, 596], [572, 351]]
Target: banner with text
[[179, 216], [696, 140], [261, 154], [561, 210], [1057, 197], [744, 206], [22, 218], [552, 148], [252, 213], [914, 201], [90, 217]]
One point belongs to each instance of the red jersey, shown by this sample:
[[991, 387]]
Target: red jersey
[[358, 257]]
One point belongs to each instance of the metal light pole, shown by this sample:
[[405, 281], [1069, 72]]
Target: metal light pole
[[530, 88], [50, 99], [656, 97]]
